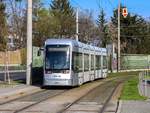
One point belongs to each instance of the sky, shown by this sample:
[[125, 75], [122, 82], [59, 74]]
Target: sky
[[140, 7]]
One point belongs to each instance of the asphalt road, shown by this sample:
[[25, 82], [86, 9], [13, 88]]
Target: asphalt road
[[14, 76]]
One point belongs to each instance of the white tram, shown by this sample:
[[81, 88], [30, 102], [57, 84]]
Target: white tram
[[70, 63]]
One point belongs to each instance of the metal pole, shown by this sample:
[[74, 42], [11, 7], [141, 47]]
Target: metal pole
[[112, 61], [118, 35], [29, 43], [5, 59], [77, 25], [8, 61], [145, 83]]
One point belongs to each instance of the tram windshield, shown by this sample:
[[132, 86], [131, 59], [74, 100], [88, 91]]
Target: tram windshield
[[57, 57]]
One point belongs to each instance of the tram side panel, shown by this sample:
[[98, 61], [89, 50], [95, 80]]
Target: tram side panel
[[86, 67], [77, 67], [104, 66], [98, 67], [92, 67], [82, 69]]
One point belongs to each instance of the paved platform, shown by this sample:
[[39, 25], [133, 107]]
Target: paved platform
[[134, 107], [16, 90]]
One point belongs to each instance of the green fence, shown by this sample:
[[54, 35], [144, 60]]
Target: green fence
[[135, 61]]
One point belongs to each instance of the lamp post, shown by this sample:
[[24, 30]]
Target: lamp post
[[77, 24], [118, 35]]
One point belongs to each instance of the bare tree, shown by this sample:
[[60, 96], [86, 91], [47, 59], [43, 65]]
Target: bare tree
[[3, 26], [87, 28], [16, 11]]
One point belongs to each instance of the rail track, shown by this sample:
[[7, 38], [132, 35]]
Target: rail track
[[18, 98], [29, 100], [95, 100]]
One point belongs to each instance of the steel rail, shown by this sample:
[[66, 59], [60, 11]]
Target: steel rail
[[24, 108], [16, 99], [69, 105], [105, 103]]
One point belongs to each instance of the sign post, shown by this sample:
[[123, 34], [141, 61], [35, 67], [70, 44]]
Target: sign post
[[118, 67]]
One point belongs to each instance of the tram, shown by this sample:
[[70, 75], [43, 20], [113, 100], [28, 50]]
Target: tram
[[69, 62]]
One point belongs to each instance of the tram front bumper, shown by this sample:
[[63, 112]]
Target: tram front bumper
[[58, 82]]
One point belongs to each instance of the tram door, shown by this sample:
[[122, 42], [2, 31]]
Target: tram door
[[92, 65]]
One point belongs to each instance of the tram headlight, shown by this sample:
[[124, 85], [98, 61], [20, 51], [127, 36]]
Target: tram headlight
[[49, 72], [65, 71]]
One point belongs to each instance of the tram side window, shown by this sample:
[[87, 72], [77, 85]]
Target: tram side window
[[77, 62], [98, 62], [104, 62], [92, 62], [86, 62]]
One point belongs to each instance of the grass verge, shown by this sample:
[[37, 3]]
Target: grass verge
[[130, 90], [110, 75]]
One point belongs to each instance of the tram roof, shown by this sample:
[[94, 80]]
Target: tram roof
[[73, 43]]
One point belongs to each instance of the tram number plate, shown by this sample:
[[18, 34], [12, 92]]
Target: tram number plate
[[56, 76], [56, 82]]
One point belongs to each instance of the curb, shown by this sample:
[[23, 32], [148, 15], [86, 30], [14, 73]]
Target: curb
[[119, 106], [13, 71], [148, 100]]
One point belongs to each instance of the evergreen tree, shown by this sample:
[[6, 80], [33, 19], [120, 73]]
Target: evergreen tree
[[64, 18], [133, 32], [3, 26], [101, 19], [101, 22]]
